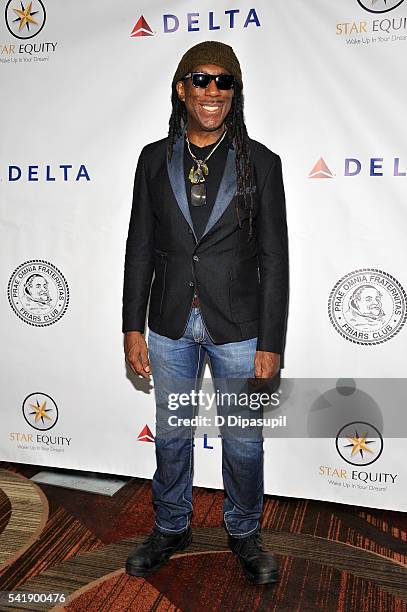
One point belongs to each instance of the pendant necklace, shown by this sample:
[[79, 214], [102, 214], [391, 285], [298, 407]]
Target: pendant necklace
[[197, 175]]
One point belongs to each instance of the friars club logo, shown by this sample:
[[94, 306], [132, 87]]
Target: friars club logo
[[25, 19], [359, 443], [40, 411], [367, 306], [38, 293], [379, 6]]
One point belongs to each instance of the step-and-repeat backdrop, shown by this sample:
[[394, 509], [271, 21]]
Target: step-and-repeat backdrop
[[84, 86]]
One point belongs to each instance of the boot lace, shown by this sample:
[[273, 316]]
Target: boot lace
[[156, 538], [252, 545]]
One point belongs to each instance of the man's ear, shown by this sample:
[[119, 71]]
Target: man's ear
[[180, 90]]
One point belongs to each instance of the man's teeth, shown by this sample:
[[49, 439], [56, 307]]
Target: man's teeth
[[210, 108]]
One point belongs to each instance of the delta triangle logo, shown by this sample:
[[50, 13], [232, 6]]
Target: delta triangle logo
[[141, 28], [320, 170], [145, 435]]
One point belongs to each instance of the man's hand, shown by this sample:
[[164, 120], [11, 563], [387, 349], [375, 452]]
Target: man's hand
[[136, 351], [266, 364]]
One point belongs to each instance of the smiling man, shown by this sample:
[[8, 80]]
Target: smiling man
[[208, 219]]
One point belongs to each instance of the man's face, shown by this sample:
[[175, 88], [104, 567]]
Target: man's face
[[207, 108], [38, 288], [369, 303]]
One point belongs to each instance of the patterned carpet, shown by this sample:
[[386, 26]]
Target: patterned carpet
[[332, 557]]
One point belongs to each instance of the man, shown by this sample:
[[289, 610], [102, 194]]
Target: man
[[365, 307], [208, 218], [36, 294]]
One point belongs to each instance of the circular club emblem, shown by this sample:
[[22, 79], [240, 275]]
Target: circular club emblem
[[359, 443], [38, 293], [25, 18], [367, 306], [40, 411], [379, 6]]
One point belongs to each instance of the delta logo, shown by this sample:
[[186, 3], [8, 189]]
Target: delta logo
[[47, 173], [141, 28], [198, 21], [145, 435], [353, 166], [320, 170]]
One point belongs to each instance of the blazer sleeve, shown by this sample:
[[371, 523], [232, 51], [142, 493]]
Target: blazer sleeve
[[272, 250], [139, 262]]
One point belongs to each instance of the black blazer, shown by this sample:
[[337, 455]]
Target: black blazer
[[242, 285]]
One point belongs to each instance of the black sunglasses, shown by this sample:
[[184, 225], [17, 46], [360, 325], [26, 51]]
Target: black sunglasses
[[202, 79]]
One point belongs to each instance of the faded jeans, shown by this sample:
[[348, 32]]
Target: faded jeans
[[242, 456]]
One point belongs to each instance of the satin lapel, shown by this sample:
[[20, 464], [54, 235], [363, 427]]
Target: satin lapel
[[226, 191], [176, 175]]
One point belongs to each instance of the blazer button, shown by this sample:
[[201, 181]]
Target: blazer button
[[195, 258], [191, 283]]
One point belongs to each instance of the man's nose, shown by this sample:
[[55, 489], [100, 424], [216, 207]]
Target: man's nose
[[212, 89]]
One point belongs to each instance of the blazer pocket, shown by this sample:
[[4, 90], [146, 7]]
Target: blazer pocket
[[244, 291], [162, 253], [158, 288], [244, 213]]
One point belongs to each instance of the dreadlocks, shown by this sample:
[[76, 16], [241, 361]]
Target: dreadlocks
[[238, 137]]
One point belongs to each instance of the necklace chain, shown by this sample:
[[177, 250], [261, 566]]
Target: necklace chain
[[198, 175], [202, 161]]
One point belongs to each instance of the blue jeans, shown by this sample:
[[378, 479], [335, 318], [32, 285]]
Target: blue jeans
[[242, 458]]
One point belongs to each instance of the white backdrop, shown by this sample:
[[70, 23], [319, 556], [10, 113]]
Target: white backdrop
[[80, 98]]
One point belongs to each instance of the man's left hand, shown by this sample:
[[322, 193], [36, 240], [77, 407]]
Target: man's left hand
[[266, 364]]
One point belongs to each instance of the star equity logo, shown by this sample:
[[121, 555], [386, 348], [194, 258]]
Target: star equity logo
[[40, 411], [379, 6], [320, 170], [25, 19], [141, 28], [359, 443], [145, 435]]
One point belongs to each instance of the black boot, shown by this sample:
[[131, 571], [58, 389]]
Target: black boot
[[155, 550], [258, 563]]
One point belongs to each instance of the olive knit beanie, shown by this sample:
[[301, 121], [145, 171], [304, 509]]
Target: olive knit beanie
[[209, 52]]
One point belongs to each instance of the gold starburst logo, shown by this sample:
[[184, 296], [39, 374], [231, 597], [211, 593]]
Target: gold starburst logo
[[379, 6], [25, 18], [359, 443], [40, 411]]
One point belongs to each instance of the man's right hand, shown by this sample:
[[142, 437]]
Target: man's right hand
[[136, 351]]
